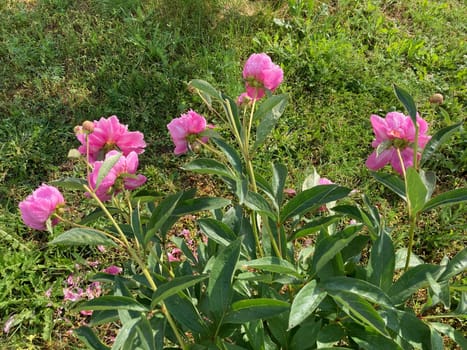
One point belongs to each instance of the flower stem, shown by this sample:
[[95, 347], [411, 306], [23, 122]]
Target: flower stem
[[412, 218], [413, 221], [141, 264]]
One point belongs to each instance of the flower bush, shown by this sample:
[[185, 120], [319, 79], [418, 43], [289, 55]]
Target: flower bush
[[245, 281]]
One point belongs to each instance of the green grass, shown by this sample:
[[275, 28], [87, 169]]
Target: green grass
[[64, 61]]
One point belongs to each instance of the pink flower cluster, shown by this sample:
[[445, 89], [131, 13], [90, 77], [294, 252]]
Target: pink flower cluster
[[259, 73], [99, 140], [396, 134]]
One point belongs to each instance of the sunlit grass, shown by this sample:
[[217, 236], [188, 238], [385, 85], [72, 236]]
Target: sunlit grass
[[63, 62]]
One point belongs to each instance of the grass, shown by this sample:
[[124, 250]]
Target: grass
[[63, 61]]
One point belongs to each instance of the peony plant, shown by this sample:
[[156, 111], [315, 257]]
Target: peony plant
[[270, 267]]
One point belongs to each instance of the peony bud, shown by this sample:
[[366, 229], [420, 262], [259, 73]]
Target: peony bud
[[88, 126]]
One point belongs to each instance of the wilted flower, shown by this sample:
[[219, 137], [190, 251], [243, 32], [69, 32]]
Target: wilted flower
[[121, 176], [174, 255], [108, 134], [290, 192], [8, 324], [185, 129], [244, 100], [113, 270], [261, 73], [71, 294], [38, 207], [395, 133]]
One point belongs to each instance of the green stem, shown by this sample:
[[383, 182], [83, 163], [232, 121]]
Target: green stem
[[413, 221], [412, 218]]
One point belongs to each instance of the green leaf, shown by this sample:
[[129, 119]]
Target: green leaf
[[416, 191], [393, 182], [358, 308], [184, 312], [111, 302], [429, 180], [329, 335], [102, 317], [253, 309], [305, 303], [410, 282], [200, 204], [368, 340], [217, 231], [143, 327], [82, 236], [272, 264], [408, 103], [306, 336], [315, 225], [126, 335], [231, 111], [447, 198], [205, 88], [70, 183], [456, 265], [315, 196], [327, 248], [160, 215], [279, 175], [401, 257], [382, 262], [231, 154], [88, 337], [268, 113], [362, 288], [96, 214], [254, 332], [105, 168], [175, 286], [257, 203], [209, 166], [451, 333], [220, 289], [437, 140]]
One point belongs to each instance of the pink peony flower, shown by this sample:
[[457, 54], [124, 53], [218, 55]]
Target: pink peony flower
[[185, 129], [396, 132], [261, 73], [106, 135], [121, 176], [38, 207], [113, 270]]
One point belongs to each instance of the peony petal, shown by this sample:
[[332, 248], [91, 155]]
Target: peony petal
[[377, 162]]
